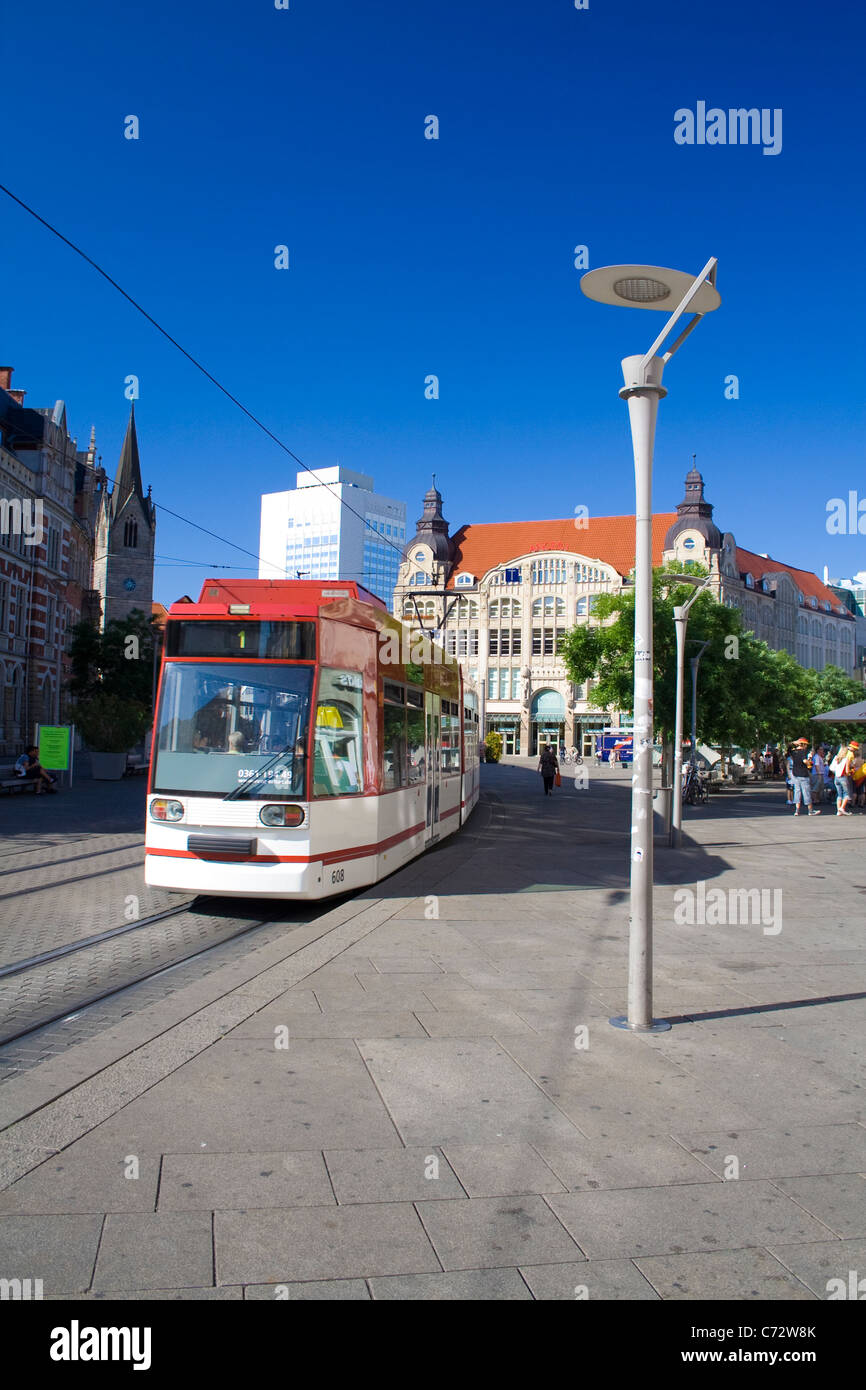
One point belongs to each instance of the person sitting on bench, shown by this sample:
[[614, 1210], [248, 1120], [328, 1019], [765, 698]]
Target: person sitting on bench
[[29, 767]]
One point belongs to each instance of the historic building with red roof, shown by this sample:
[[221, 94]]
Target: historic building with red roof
[[500, 596]]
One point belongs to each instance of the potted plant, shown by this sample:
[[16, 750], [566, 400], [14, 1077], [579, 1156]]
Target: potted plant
[[493, 745], [110, 726]]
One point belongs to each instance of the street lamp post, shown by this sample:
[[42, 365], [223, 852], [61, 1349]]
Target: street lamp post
[[646, 287], [681, 618], [695, 663]]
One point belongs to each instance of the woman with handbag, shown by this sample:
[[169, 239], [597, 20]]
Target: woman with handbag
[[548, 766], [841, 770]]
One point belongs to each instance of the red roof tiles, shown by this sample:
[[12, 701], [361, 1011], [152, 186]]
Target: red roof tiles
[[807, 582], [609, 539]]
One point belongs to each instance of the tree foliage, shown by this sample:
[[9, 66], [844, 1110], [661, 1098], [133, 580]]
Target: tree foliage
[[748, 694], [119, 660]]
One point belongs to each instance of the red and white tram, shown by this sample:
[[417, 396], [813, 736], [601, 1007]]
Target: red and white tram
[[304, 743]]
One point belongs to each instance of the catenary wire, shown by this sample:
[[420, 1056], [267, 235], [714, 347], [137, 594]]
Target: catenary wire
[[188, 355]]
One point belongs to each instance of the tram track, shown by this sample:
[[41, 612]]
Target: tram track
[[18, 966], [52, 985]]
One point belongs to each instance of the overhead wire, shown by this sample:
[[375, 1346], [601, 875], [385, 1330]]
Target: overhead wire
[[200, 367]]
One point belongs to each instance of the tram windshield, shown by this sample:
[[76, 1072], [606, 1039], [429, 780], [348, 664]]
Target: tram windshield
[[220, 725]]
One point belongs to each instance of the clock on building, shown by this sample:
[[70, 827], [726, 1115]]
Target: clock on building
[[129, 585]]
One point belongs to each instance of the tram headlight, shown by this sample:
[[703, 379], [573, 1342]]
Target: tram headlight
[[162, 809], [288, 816]]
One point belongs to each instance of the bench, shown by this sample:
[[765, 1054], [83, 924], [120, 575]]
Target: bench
[[10, 783]]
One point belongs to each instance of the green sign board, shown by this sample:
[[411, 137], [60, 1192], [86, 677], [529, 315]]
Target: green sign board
[[54, 746]]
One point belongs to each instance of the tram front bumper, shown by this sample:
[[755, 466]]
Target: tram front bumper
[[231, 879]]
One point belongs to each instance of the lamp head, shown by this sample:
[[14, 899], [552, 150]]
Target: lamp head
[[648, 287]]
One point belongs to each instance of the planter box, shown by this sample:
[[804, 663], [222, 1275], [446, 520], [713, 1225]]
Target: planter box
[[107, 767]]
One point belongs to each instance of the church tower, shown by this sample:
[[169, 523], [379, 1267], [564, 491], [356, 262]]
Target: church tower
[[125, 536]]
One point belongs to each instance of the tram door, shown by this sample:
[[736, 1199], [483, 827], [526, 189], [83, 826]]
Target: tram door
[[433, 743]]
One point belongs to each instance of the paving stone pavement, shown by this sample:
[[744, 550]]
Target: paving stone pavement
[[453, 1118]]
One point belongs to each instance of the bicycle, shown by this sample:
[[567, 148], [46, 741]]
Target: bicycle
[[695, 791], [572, 756]]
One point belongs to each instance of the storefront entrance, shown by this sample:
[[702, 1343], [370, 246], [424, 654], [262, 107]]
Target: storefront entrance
[[587, 734], [547, 736], [509, 732], [546, 722]]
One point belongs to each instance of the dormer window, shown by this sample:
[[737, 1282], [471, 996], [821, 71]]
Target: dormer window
[[813, 602], [765, 585], [750, 583], [464, 579]]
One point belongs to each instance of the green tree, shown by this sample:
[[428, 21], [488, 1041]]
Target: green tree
[[119, 660], [605, 652], [747, 693], [832, 689]]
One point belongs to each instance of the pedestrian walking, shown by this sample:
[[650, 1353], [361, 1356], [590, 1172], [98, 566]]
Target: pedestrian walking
[[801, 776], [787, 771], [817, 775], [858, 775], [841, 770], [548, 766]]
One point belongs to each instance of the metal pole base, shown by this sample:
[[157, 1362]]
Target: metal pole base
[[658, 1025]]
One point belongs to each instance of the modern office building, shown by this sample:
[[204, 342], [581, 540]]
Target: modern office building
[[333, 525], [500, 597]]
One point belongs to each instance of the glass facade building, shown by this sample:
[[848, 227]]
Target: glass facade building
[[333, 525]]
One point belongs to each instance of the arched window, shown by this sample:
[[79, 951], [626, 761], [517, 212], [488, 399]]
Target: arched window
[[493, 610], [536, 607], [130, 533], [581, 608]]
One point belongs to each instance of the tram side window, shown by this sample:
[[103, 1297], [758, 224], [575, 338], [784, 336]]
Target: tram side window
[[395, 772], [450, 738], [416, 745], [338, 756]]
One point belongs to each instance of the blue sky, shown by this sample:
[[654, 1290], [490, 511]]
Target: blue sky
[[409, 256]]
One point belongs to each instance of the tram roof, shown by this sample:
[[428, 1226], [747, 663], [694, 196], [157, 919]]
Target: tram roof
[[269, 597]]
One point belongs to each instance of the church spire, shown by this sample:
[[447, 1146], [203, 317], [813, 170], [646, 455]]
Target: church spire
[[128, 480]]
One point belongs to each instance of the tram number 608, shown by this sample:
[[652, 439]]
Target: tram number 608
[[338, 875]]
